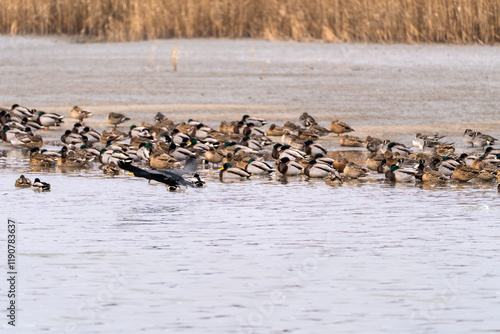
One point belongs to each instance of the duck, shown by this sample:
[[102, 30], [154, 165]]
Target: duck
[[251, 130], [113, 136], [464, 173], [340, 163], [334, 179], [111, 169], [39, 159], [228, 172], [144, 151], [79, 113], [482, 140], [287, 167], [41, 186], [27, 139], [290, 139], [306, 120], [397, 148], [8, 133], [351, 141], [116, 118], [318, 170], [20, 111], [23, 182], [92, 135], [291, 153], [339, 127], [490, 151], [373, 161], [161, 160], [354, 171], [197, 181], [70, 138], [227, 127], [49, 119], [32, 124], [428, 175], [305, 134], [251, 143], [311, 149], [179, 153], [372, 144], [214, 156], [468, 136], [396, 174], [178, 137], [258, 167], [274, 130], [199, 131], [498, 179], [256, 121], [447, 166]]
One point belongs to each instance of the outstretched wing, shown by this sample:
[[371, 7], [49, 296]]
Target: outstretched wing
[[166, 177]]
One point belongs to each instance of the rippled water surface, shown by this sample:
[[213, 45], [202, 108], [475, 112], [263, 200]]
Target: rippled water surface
[[103, 255]]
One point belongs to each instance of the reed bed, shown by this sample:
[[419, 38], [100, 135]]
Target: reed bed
[[380, 21]]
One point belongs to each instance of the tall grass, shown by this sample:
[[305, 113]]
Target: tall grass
[[383, 21]]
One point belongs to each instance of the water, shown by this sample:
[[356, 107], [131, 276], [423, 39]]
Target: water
[[106, 254]]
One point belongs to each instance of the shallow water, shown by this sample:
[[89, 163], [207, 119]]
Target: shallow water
[[113, 254], [258, 256]]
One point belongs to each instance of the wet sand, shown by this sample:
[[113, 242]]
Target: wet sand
[[382, 90]]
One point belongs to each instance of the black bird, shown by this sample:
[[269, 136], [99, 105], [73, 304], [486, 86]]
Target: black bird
[[171, 178]]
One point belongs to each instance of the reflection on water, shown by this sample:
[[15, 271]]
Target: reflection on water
[[99, 254]]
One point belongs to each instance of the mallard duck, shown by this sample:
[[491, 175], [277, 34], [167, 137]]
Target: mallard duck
[[306, 120], [311, 149], [39, 159], [27, 139], [32, 124], [48, 119], [290, 139], [429, 175], [8, 133], [170, 178], [274, 130], [214, 156], [113, 136], [258, 122], [200, 131], [351, 141], [178, 137], [79, 113], [41, 186], [144, 151], [464, 173], [116, 118], [161, 160], [354, 171], [487, 175], [334, 179], [305, 134], [179, 153], [92, 135], [339, 127], [251, 143], [258, 167], [318, 170], [490, 151], [23, 182], [227, 127], [20, 111], [372, 144], [140, 132], [396, 174], [197, 147], [373, 161], [291, 153], [70, 159], [251, 130], [398, 149], [339, 163], [228, 172], [70, 138], [287, 167], [447, 166]]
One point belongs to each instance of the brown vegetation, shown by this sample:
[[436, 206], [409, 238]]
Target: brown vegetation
[[384, 21]]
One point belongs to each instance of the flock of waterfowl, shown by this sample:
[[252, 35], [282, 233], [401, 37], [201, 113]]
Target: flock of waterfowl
[[165, 150]]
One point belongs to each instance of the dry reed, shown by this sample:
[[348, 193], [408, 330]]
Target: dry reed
[[381, 21]]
